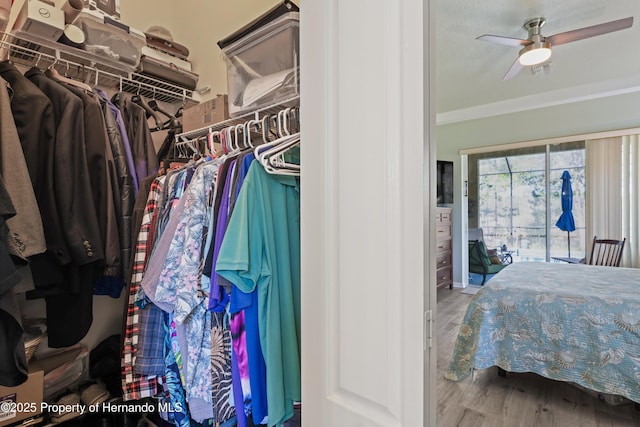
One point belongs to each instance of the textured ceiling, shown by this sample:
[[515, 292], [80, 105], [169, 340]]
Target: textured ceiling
[[469, 72]]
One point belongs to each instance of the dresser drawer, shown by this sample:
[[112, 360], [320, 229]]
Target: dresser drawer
[[443, 276], [444, 217], [443, 232], [443, 259], [443, 246]]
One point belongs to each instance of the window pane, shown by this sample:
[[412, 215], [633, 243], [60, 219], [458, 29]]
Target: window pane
[[508, 200]]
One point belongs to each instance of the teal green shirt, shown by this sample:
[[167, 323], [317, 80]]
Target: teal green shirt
[[261, 250]]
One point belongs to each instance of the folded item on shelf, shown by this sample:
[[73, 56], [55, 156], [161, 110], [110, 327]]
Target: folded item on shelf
[[168, 72], [163, 56], [63, 370]]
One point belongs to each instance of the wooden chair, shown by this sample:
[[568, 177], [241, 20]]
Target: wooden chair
[[606, 252]]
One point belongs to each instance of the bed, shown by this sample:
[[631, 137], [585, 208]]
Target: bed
[[567, 322]]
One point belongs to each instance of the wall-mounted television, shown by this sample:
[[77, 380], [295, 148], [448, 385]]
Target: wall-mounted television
[[445, 182]]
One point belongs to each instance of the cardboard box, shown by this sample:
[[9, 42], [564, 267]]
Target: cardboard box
[[22, 402], [41, 19], [205, 114]]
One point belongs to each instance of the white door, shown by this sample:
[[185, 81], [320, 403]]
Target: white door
[[367, 273]]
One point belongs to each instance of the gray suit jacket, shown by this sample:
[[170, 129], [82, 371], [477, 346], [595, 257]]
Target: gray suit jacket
[[26, 234]]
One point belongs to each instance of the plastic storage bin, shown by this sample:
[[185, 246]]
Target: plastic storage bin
[[263, 66], [111, 39]]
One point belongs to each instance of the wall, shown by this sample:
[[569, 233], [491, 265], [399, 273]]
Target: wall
[[142, 14], [198, 25], [603, 114]]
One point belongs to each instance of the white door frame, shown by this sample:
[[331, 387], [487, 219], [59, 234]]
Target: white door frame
[[367, 203]]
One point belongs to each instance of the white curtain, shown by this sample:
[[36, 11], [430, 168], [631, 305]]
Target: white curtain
[[613, 204]]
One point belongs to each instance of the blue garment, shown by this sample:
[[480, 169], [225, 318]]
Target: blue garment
[[150, 358], [178, 414], [249, 303], [257, 368]]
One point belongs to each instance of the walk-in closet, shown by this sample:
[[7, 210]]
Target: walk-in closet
[[152, 228]]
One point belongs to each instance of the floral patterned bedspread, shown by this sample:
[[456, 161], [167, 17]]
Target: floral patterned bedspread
[[568, 322]]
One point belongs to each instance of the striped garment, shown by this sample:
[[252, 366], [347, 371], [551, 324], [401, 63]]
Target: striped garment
[[136, 386]]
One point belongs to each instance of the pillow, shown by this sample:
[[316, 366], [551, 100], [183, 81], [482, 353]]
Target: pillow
[[485, 256], [494, 259]]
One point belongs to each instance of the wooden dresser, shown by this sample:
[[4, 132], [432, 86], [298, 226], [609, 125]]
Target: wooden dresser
[[444, 271]]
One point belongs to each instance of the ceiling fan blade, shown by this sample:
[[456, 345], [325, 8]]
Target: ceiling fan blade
[[514, 70], [509, 41], [586, 32]]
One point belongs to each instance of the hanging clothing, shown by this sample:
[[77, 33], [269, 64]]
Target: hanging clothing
[[99, 154], [124, 191], [71, 180], [262, 252], [179, 290], [34, 120], [13, 362], [137, 386], [140, 139], [69, 302], [26, 234], [221, 376]]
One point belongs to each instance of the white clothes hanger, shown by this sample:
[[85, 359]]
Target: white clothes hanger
[[278, 166]]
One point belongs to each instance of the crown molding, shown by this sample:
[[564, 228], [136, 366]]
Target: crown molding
[[542, 100]]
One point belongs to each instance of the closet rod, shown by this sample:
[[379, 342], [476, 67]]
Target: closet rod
[[27, 53]]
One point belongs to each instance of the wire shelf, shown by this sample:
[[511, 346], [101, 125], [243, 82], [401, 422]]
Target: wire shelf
[[29, 50]]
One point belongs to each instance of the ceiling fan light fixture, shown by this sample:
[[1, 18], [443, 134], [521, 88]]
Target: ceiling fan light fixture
[[535, 53]]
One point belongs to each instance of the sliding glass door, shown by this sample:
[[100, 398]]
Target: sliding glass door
[[515, 196]]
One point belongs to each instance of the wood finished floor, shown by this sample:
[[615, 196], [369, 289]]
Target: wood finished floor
[[521, 400]]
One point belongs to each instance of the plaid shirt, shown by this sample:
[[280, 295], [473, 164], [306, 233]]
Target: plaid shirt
[[136, 386]]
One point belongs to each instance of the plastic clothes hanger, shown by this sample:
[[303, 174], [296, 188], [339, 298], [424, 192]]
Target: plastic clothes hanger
[[271, 155], [247, 131], [150, 112], [54, 74], [276, 162], [265, 122], [173, 122], [278, 147], [212, 138], [236, 130]]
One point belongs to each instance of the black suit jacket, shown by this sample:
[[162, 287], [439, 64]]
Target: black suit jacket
[[34, 120], [71, 176], [100, 162]]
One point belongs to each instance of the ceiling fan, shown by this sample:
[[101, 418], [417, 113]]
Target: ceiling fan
[[537, 48]]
